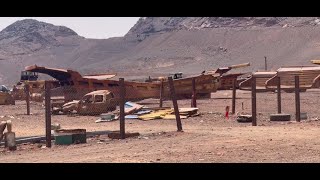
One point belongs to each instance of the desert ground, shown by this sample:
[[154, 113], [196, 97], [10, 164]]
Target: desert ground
[[209, 137]]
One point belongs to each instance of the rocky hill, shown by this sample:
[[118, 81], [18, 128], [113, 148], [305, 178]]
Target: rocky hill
[[27, 36], [147, 26], [160, 45]]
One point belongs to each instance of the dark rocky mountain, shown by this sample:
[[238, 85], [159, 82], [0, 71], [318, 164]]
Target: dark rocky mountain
[[160, 45], [150, 25], [27, 36]]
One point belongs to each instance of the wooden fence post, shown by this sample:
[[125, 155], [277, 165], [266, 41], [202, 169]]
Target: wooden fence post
[[279, 94], [234, 88], [122, 112], [254, 102], [194, 93], [161, 94], [27, 92], [48, 113], [297, 98], [175, 104]]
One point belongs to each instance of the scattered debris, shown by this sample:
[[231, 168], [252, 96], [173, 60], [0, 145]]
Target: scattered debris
[[188, 111], [130, 107], [131, 116], [107, 118], [116, 135], [55, 126], [280, 117], [172, 116], [244, 118], [70, 136], [169, 114], [303, 115], [156, 115]]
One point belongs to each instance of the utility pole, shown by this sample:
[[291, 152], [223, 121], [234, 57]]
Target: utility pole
[[265, 63]]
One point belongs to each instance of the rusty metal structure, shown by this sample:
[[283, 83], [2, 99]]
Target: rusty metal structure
[[226, 80], [6, 98], [261, 78], [72, 85]]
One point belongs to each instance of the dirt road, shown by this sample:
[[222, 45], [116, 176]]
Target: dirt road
[[206, 138]]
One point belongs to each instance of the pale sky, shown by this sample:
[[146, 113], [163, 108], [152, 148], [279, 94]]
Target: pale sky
[[88, 27]]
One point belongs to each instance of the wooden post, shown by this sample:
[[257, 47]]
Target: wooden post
[[194, 93], [161, 94], [234, 88], [122, 112], [279, 94], [254, 101], [48, 113], [297, 92], [27, 92], [175, 104]]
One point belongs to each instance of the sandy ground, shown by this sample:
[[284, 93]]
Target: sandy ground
[[206, 138]]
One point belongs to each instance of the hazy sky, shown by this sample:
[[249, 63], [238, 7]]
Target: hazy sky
[[89, 27]]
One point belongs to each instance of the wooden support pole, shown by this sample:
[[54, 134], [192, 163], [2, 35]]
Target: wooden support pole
[[234, 88], [297, 97], [48, 113], [27, 92], [175, 103], [254, 102], [194, 93], [279, 94], [161, 94], [122, 112]]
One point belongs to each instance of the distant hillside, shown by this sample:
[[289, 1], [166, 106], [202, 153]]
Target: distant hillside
[[157, 45]]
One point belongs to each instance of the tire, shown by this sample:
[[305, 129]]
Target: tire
[[280, 117], [244, 120]]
